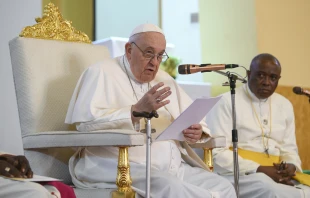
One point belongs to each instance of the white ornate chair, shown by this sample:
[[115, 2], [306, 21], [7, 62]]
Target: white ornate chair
[[46, 69]]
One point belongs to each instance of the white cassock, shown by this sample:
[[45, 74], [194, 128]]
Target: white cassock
[[282, 141], [102, 100], [21, 189]]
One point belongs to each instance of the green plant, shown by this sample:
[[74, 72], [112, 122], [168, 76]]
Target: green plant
[[170, 65]]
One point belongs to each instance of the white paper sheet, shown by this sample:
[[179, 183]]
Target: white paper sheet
[[192, 115], [35, 178]]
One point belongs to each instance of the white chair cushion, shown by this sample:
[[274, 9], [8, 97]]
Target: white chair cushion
[[58, 139]]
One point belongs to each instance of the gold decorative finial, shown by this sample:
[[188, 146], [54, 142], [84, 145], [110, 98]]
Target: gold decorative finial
[[53, 26]]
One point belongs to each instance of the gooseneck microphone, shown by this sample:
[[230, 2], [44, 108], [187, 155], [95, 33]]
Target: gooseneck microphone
[[301, 91], [190, 68]]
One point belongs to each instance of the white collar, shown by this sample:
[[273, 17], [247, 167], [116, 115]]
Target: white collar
[[253, 96]]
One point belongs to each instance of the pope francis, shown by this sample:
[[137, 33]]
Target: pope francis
[[105, 97]]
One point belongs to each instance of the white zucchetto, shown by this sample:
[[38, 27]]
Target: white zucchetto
[[147, 27]]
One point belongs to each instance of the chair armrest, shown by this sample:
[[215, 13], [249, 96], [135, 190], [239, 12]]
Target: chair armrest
[[207, 146], [212, 142], [60, 139]]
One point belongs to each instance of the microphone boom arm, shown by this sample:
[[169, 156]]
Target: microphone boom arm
[[228, 74]]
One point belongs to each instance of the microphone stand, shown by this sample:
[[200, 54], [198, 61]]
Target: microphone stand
[[232, 82], [149, 130]]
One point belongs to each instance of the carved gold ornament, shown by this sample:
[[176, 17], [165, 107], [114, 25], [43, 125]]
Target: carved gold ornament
[[52, 26], [123, 180]]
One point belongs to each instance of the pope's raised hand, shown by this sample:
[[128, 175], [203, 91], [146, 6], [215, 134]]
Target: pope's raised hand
[[154, 99]]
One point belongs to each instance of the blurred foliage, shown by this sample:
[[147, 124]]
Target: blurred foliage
[[170, 66]]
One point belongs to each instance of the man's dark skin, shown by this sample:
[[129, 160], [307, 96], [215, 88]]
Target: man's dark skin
[[18, 166], [263, 78]]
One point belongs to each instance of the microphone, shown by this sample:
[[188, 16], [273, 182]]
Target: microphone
[[301, 91], [190, 68]]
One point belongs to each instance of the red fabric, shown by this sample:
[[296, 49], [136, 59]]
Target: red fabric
[[65, 190]]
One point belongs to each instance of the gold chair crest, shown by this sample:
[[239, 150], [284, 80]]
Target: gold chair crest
[[52, 26]]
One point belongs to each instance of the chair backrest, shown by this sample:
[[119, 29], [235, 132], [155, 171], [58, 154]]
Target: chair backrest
[[302, 121], [45, 74]]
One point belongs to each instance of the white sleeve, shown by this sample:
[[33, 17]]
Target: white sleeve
[[110, 119], [289, 150], [219, 120], [98, 104], [93, 108]]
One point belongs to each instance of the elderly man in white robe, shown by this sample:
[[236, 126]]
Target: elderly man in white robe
[[12, 166], [105, 97], [268, 154]]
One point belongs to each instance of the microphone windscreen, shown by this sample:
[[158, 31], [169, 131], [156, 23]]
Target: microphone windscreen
[[231, 66], [182, 69], [297, 90]]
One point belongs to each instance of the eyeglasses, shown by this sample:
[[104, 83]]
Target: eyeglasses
[[162, 57]]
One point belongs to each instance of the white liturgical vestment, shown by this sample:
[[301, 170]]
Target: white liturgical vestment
[[282, 141], [102, 100], [275, 116]]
